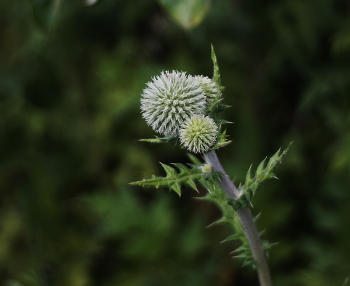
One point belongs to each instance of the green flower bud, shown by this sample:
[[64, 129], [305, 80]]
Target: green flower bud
[[169, 100], [198, 133], [210, 88]]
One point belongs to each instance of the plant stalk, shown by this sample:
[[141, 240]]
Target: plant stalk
[[247, 221]]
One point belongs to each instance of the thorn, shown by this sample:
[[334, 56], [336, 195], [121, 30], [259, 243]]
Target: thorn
[[262, 231], [257, 216]]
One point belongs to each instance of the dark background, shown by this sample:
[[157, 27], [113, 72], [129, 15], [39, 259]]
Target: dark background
[[70, 83]]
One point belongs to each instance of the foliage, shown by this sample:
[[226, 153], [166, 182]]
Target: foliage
[[187, 13], [173, 180], [69, 125], [209, 180], [264, 172], [198, 124]]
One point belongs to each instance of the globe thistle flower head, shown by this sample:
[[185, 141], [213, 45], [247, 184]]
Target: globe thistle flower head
[[198, 133], [210, 88], [169, 100]]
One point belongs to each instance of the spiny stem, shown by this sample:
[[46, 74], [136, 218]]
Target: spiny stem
[[247, 221]]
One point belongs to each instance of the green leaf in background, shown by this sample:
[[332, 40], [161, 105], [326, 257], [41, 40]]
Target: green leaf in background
[[187, 13], [44, 11]]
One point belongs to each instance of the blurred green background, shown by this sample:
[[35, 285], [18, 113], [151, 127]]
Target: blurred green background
[[71, 76]]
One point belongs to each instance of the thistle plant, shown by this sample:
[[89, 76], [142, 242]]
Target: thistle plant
[[185, 109]]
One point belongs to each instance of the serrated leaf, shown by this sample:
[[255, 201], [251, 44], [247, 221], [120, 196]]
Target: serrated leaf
[[218, 197], [170, 172], [265, 171], [192, 184], [277, 154], [176, 187], [173, 179], [260, 167], [182, 168]]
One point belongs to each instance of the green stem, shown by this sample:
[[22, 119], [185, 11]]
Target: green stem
[[247, 220]]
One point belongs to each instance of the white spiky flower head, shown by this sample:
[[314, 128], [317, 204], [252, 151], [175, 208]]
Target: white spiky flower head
[[169, 100], [210, 88], [198, 133]]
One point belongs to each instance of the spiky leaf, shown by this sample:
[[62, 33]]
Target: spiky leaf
[[222, 141], [157, 139], [264, 172], [217, 196], [175, 178], [228, 206], [216, 73]]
